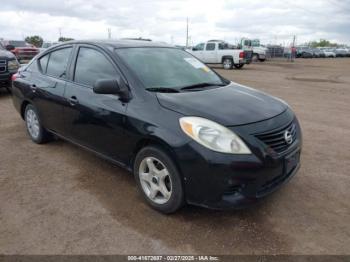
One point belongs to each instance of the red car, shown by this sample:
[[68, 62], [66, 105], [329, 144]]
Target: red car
[[21, 49]]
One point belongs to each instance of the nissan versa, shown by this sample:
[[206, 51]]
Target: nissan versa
[[187, 134]]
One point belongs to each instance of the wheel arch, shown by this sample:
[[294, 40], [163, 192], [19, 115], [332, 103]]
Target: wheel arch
[[227, 56], [156, 142], [23, 107]]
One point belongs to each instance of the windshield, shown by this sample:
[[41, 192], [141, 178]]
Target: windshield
[[167, 67], [18, 43]]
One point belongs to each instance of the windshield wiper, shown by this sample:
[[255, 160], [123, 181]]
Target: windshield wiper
[[163, 89], [200, 85]]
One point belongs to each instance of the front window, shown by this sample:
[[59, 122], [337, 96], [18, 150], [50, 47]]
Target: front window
[[87, 73], [167, 68], [199, 47]]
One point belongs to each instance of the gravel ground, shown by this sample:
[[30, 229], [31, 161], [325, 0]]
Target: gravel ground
[[58, 199]]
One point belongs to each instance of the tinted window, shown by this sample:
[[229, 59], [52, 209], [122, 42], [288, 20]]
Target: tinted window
[[58, 62], [43, 63], [18, 43], [223, 46], [91, 66], [210, 46]]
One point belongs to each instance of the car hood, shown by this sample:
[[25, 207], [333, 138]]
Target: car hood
[[6, 54], [230, 105]]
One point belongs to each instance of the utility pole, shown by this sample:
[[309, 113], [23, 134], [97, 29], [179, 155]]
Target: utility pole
[[294, 41], [109, 33], [293, 50], [60, 32], [187, 33]]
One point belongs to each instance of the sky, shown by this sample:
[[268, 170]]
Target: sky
[[271, 21]]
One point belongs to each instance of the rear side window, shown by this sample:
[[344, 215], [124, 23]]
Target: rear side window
[[92, 65], [43, 63], [58, 62], [210, 46]]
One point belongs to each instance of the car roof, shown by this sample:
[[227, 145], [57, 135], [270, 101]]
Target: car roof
[[120, 43]]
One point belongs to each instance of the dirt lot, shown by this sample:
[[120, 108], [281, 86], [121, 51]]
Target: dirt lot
[[59, 199]]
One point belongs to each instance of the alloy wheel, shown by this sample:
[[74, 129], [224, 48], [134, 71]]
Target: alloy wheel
[[32, 122], [155, 180], [227, 64]]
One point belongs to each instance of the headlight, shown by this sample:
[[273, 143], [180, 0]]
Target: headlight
[[12, 65], [213, 136]]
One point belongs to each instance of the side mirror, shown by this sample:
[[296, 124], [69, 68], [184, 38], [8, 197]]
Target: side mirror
[[110, 87], [9, 47], [194, 49]]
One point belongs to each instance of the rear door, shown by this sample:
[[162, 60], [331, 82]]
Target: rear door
[[95, 120], [48, 86], [210, 53]]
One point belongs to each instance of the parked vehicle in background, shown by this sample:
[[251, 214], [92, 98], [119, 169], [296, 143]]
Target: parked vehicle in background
[[8, 66], [317, 53], [340, 52], [46, 45], [220, 52], [259, 52], [329, 53], [347, 52], [21, 49], [304, 52]]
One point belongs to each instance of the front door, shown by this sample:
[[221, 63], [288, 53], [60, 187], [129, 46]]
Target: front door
[[95, 120]]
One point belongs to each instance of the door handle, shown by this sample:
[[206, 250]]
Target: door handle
[[73, 101], [33, 87]]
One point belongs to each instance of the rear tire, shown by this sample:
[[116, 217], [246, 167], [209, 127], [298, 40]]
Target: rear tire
[[227, 63], [35, 130], [8, 87], [238, 66], [158, 180]]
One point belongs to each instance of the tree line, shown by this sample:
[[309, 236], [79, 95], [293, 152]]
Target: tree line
[[38, 41]]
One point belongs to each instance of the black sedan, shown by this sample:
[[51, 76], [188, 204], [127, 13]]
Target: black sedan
[[187, 134]]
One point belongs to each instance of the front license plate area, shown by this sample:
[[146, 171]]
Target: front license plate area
[[291, 161]]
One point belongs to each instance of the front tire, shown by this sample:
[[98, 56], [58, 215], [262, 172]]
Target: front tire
[[158, 180], [35, 130]]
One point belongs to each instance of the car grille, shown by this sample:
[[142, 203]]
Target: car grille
[[2, 66], [272, 184], [276, 139]]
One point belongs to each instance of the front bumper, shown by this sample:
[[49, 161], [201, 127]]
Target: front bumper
[[220, 181], [5, 77]]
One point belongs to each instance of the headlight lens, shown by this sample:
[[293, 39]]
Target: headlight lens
[[12, 65], [213, 136]]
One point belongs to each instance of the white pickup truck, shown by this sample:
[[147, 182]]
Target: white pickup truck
[[220, 52]]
